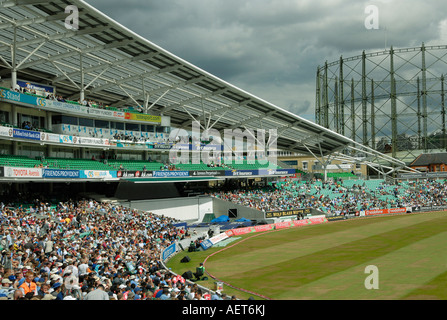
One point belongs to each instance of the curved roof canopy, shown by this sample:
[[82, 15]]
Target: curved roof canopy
[[107, 62]]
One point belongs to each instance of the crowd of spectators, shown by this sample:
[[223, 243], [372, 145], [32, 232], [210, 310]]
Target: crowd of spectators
[[345, 200], [27, 125], [52, 96], [131, 138], [138, 138], [87, 250]]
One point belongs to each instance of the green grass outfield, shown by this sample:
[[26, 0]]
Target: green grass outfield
[[328, 261]]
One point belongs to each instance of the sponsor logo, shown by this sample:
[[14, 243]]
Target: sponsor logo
[[24, 134], [287, 213], [169, 251], [169, 174], [134, 174], [207, 173], [22, 172], [41, 102], [54, 173]]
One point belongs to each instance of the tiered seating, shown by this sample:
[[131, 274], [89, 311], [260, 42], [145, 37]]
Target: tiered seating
[[342, 175], [351, 183], [373, 184], [253, 166], [199, 166], [78, 164], [134, 165], [21, 161]]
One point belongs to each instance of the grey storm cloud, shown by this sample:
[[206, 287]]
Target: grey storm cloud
[[272, 48]]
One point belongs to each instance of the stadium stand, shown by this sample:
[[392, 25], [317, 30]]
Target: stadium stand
[[69, 247], [339, 197], [246, 165], [48, 256], [78, 164], [135, 165], [23, 161]]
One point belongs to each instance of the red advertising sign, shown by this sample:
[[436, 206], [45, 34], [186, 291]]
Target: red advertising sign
[[229, 233], [375, 212], [385, 211], [398, 210], [278, 225], [317, 220], [298, 223], [282, 225], [240, 231], [261, 228]]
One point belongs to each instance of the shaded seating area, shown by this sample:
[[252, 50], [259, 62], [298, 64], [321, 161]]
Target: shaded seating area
[[78, 164], [134, 165], [23, 161]]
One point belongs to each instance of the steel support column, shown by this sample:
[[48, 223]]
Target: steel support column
[[14, 60], [336, 111], [325, 97], [364, 101], [318, 99], [81, 68], [352, 111], [393, 106], [373, 117], [443, 142], [424, 98], [342, 98], [419, 114]]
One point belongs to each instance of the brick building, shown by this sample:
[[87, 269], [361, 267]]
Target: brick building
[[435, 162]]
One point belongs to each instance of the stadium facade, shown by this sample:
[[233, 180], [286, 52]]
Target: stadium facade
[[92, 101]]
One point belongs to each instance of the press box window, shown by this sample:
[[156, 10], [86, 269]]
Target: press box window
[[117, 125], [64, 120], [4, 117], [305, 165], [132, 127], [102, 124], [86, 122]]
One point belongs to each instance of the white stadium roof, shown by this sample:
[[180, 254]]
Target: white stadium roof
[[118, 67]]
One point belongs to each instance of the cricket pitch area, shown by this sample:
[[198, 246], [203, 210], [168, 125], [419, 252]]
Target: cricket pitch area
[[329, 261]]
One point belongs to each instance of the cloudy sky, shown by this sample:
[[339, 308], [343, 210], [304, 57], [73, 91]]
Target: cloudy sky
[[272, 48]]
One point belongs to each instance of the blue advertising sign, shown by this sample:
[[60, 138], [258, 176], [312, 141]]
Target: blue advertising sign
[[59, 173], [241, 173], [206, 244], [14, 96], [197, 147], [17, 97], [170, 174], [160, 146], [25, 134], [169, 251], [35, 86], [177, 225], [276, 172]]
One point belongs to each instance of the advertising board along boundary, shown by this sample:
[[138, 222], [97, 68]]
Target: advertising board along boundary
[[258, 230]]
